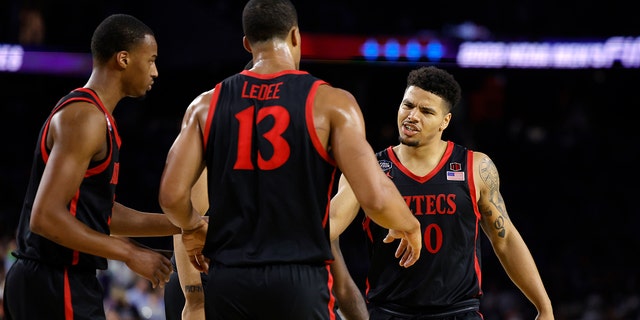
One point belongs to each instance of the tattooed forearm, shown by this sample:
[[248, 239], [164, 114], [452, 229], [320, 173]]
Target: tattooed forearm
[[193, 288]]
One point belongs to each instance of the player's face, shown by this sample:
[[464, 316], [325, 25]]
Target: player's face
[[421, 117], [141, 67]]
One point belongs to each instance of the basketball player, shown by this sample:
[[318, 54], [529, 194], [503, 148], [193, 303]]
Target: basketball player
[[272, 139], [70, 222]]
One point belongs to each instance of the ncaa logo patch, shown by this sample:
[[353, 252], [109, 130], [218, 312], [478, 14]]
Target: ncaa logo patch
[[385, 165]]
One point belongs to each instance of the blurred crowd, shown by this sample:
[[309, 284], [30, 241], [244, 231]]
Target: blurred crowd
[[128, 296]]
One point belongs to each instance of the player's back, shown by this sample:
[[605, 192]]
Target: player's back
[[269, 177]]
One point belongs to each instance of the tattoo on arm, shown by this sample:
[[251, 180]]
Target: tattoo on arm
[[489, 175], [193, 288]]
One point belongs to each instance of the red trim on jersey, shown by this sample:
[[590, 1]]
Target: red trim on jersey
[[270, 75], [367, 229], [332, 298], [43, 141], [110, 123], [102, 166], [73, 206], [423, 179], [106, 112], [311, 128], [476, 211], [212, 109], [325, 219], [68, 307], [73, 209], [365, 226], [367, 287]]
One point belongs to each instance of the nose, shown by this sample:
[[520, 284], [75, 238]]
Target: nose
[[412, 114], [154, 71]]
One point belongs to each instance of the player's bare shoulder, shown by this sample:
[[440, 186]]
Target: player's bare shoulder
[[328, 96], [486, 171], [338, 106], [202, 101], [490, 201], [199, 107], [81, 122]]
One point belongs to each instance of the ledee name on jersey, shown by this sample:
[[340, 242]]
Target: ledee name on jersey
[[261, 91]]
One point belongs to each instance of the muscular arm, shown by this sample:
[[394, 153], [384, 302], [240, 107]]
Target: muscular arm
[[505, 239], [76, 137], [350, 300], [183, 167], [339, 121], [184, 164]]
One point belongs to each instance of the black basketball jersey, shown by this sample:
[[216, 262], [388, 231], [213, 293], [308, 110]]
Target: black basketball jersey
[[444, 201], [91, 205], [269, 177]]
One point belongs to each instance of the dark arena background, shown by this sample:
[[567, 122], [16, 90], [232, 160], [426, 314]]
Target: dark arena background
[[550, 93]]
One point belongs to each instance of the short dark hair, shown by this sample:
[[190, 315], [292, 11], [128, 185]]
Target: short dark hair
[[116, 33], [438, 82], [267, 19]]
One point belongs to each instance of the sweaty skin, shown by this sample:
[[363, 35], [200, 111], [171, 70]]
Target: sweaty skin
[[340, 128]]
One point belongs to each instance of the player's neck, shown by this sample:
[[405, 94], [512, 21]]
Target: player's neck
[[421, 159], [106, 88], [273, 57]]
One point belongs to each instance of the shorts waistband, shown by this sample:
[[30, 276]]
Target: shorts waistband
[[430, 312], [72, 269]]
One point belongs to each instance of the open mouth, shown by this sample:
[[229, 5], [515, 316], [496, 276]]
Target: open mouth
[[409, 127]]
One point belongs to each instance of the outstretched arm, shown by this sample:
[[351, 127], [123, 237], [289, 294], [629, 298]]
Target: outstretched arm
[[344, 208], [377, 195], [505, 239], [129, 222]]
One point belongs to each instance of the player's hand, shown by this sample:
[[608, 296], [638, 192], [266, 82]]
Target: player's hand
[[150, 265], [409, 248], [193, 241]]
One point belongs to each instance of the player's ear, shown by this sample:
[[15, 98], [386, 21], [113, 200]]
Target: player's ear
[[246, 44], [122, 58], [445, 121], [294, 34]]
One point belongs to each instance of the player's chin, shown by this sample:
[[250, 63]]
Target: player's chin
[[409, 142], [141, 95]]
